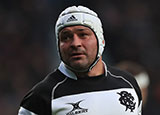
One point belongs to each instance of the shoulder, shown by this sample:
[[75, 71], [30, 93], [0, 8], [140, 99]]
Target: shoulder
[[47, 83], [126, 77], [117, 73], [39, 97]]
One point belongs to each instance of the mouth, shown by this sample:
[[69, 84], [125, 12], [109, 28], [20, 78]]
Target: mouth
[[77, 55]]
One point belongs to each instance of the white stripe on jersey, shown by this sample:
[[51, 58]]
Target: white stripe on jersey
[[94, 103]]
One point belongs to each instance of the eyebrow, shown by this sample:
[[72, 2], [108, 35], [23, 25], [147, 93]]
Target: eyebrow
[[77, 29], [82, 29]]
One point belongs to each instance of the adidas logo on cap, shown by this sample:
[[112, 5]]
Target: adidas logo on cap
[[72, 18]]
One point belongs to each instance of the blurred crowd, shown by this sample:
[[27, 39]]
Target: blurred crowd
[[28, 49]]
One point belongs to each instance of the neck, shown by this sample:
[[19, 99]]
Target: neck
[[98, 69]]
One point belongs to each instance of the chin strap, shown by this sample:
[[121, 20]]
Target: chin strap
[[94, 63]]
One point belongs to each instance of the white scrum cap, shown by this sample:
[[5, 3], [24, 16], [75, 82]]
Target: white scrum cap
[[81, 16]]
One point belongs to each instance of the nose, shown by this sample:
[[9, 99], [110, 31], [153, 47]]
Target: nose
[[76, 42]]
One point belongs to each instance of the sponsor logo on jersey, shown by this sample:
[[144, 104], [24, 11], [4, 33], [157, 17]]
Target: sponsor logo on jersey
[[72, 18], [127, 99], [77, 109]]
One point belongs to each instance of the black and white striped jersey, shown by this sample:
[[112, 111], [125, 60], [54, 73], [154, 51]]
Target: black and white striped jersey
[[62, 93]]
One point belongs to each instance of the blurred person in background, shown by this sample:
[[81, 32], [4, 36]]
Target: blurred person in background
[[82, 84]]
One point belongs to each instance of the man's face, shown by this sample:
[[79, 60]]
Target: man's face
[[78, 46]]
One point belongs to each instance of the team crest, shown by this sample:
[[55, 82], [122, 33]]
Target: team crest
[[127, 100]]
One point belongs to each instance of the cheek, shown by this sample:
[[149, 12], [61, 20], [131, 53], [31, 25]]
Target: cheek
[[92, 48], [61, 45], [93, 44], [62, 48]]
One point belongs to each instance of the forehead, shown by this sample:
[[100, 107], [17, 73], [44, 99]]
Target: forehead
[[76, 28]]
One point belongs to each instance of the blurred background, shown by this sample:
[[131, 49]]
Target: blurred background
[[28, 49]]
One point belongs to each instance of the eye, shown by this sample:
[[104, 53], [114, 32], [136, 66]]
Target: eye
[[66, 37], [83, 35]]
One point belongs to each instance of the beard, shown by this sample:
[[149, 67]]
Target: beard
[[78, 63], [79, 67]]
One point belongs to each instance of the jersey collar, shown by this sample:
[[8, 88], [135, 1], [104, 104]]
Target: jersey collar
[[71, 74]]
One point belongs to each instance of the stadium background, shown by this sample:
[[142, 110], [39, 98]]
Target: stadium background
[[28, 46]]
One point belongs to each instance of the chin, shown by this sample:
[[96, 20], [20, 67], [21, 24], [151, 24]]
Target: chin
[[79, 66]]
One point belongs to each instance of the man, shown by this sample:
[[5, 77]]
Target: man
[[82, 84]]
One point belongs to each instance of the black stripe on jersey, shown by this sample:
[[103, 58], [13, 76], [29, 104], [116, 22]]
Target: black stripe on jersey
[[89, 84]]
